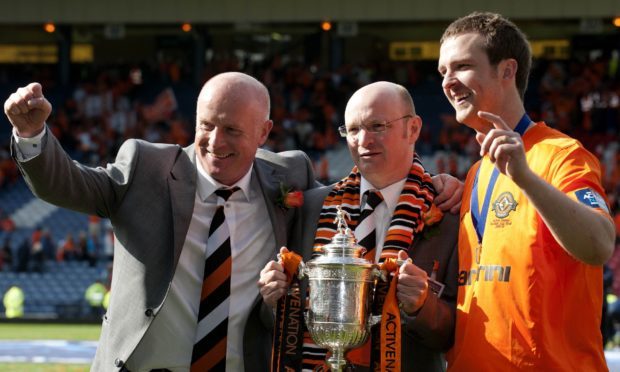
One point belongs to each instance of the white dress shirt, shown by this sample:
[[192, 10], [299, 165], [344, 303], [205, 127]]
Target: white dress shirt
[[172, 333]]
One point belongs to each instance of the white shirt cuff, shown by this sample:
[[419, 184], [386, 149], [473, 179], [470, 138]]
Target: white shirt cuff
[[28, 148]]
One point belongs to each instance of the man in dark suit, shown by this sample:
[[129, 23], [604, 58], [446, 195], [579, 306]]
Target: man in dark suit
[[162, 200], [381, 129]]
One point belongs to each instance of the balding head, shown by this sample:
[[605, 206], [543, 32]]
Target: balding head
[[382, 91], [232, 121], [237, 88], [382, 157]]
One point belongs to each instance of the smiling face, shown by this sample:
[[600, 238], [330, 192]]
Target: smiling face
[[383, 158], [470, 82], [231, 123]]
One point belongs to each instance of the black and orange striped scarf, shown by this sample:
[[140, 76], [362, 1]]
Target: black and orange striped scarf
[[415, 200]]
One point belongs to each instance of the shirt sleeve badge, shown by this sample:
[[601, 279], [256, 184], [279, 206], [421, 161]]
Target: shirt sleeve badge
[[591, 198]]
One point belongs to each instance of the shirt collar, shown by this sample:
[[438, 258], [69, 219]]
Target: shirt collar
[[206, 185], [390, 193]]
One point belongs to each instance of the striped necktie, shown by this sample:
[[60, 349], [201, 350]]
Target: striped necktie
[[365, 230], [209, 353]]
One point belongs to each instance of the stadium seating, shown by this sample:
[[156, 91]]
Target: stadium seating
[[58, 292]]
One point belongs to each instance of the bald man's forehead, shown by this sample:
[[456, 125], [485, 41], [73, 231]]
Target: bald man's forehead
[[373, 98], [239, 93], [362, 110]]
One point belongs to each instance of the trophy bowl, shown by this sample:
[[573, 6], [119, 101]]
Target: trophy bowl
[[341, 289]]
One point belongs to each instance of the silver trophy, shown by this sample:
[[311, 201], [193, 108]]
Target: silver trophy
[[341, 288]]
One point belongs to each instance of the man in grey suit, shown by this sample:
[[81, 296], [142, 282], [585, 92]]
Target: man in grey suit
[[161, 200], [381, 130]]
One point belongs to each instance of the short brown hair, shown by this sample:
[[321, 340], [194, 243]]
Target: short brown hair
[[503, 40]]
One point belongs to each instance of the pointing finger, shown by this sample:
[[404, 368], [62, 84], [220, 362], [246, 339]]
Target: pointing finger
[[480, 138], [497, 121]]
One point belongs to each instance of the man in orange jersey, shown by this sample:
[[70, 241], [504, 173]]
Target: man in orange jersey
[[388, 179], [535, 229]]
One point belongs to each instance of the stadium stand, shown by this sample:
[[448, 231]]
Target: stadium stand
[[58, 292], [94, 115]]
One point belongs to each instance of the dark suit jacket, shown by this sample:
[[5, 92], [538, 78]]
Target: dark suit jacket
[[148, 194], [431, 332]]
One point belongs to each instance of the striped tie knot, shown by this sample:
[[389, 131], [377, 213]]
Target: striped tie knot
[[373, 198], [218, 217], [225, 193]]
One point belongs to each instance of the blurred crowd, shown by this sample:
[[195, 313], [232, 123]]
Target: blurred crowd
[[93, 245], [105, 105]]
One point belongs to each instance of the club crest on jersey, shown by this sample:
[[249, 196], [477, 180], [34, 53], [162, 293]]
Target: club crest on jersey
[[504, 204]]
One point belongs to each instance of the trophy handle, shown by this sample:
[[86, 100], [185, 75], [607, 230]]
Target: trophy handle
[[381, 274], [302, 270], [374, 320]]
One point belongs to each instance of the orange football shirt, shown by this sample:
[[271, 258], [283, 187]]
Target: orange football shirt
[[523, 302]]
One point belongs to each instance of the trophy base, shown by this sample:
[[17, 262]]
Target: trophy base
[[336, 362]]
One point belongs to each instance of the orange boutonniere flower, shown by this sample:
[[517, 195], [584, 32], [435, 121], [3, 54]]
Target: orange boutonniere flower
[[289, 198], [431, 218]]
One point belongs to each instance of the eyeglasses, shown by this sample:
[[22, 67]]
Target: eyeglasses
[[373, 127]]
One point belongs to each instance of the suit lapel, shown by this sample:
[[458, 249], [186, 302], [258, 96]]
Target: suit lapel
[[270, 179], [182, 186]]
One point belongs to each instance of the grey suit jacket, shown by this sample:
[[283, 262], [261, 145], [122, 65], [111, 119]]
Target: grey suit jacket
[[148, 194], [431, 332]]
